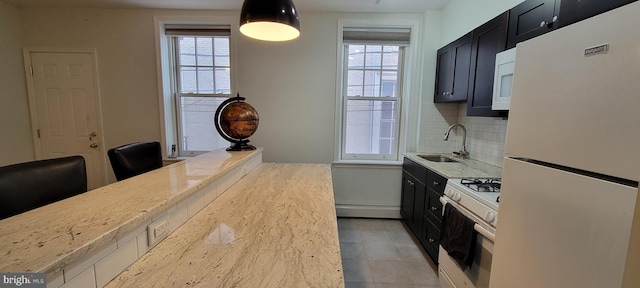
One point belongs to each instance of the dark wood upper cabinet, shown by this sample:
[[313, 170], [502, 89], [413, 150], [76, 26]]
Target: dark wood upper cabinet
[[452, 71], [465, 67], [572, 11], [488, 40], [532, 18]]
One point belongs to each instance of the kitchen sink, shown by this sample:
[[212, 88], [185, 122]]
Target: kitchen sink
[[437, 158]]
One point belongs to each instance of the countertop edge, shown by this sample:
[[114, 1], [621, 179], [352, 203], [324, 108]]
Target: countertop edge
[[144, 215], [238, 243], [466, 168]]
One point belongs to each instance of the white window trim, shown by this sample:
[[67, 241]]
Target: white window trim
[[164, 55], [409, 100]]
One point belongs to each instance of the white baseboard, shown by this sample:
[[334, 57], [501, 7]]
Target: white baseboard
[[365, 211]]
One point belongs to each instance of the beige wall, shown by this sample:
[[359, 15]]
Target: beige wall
[[16, 143], [125, 46], [292, 84]]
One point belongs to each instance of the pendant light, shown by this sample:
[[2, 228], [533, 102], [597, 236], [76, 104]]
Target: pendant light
[[269, 20]]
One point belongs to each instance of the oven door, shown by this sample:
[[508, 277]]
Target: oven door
[[477, 275]]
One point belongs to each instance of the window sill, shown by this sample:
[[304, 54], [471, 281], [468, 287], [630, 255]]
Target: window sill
[[366, 163]]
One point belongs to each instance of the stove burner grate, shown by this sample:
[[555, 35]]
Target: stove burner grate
[[482, 185]]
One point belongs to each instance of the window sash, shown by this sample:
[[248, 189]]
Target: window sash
[[393, 140], [200, 119], [216, 70], [206, 118]]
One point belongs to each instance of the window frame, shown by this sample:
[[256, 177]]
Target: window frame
[[396, 99], [179, 96], [168, 104], [409, 99]]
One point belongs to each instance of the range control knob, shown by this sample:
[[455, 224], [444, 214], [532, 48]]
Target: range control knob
[[457, 196], [448, 192], [490, 216]]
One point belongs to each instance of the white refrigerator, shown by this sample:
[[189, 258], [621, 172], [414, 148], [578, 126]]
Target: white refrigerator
[[570, 178]]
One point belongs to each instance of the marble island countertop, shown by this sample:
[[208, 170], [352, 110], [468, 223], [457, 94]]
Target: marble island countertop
[[463, 168], [274, 228], [50, 238]]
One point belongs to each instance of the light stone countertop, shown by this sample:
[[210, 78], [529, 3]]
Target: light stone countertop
[[465, 168], [276, 227], [48, 238]]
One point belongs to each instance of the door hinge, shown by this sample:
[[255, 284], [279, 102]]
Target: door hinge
[[38, 133], [31, 69]]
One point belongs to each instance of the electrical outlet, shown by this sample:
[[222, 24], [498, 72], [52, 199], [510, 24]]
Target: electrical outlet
[[158, 230]]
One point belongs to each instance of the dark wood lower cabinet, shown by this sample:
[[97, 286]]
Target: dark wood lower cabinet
[[431, 236], [420, 207], [406, 202]]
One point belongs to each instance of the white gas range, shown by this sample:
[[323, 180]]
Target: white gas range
[[479, 195], [477, 199]]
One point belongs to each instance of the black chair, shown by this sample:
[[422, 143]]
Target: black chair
[[29, 185], [135, 158]]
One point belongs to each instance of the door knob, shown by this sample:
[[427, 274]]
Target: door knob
[[94, 145], [93, 134]]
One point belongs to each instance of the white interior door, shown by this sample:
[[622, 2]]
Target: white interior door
[[67, 121]]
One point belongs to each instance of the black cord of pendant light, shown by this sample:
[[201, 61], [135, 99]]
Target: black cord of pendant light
[[269, 20]]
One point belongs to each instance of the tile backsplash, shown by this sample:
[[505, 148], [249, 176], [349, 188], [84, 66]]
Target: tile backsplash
[[485, 135]]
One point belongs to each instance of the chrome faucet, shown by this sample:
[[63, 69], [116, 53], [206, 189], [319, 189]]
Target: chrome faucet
[[462, 153]]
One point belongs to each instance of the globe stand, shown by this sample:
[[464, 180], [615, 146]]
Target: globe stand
[[239, 144], [242, 145]]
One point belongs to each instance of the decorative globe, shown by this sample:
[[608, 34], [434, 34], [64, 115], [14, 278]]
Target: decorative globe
[[236, 121], [239, 120]]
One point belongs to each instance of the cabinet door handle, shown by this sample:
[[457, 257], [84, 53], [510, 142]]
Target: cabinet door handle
[[431, 240], [543, 23], [554, 19], [434, 208], [435, 183]]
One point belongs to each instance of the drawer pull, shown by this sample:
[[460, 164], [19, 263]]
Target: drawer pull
[[431, 240], [434, 208]]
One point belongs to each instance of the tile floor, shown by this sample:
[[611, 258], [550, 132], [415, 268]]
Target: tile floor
[[380, 253]]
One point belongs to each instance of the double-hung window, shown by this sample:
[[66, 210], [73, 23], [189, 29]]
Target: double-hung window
[[372, 89], [201, 72]]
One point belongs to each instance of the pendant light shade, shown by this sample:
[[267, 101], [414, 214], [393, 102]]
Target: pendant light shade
[[269, 20]]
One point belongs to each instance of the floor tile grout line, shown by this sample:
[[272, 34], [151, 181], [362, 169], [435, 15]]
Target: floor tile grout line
[[390, 228]]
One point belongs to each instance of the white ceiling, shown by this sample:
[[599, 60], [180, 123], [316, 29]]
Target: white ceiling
[[384, 6]]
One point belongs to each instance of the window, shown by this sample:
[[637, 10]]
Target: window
[[201, 72], [372, 69]]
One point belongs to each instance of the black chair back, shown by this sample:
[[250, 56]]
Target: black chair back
[[27, 186], [135, 158]]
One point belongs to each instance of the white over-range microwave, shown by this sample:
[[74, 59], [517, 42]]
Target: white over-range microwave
[[503, 79]]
